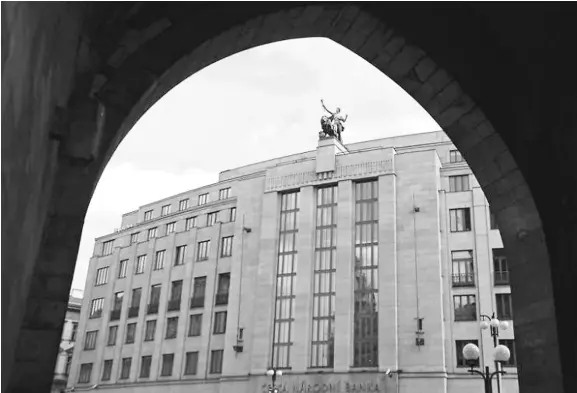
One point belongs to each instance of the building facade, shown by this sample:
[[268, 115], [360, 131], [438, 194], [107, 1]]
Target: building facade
[[363, 267], [69, 335]]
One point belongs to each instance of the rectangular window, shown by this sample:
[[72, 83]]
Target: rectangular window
[[180, 255], [148, 215], [226, 246], [151, 234], [463, 268], [101, 276], [107, 247], [459, 183], [202, 199], [122, 267], [116, 306], [125, 369], [85, 373], [68, 362], [459, 345], [154, 299], [493, 221], [175, 296], [150, 330], [167, 362], [202, 250], [460, 219], [191, 364], [183, 204], [170, 227], [455, 156], [90, 340], [224, 193], [465, 307], [159, 260], [500, 266], [140, 264], [134, 238], [324, 289], [512, 362], [216, 362], [145, 364], [366, 315], [107, 370], [223, 287], [219, 322], [195, 326], [504, 306], [232, 214], [171, 327], [112, 333], [96, 307], [190, 223], [198, 292], [211, 218], [130, 333], [135, 302], [165, 210], [286, 274], [74, 331]]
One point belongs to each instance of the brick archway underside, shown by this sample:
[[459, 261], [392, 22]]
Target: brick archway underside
[[74, 85]]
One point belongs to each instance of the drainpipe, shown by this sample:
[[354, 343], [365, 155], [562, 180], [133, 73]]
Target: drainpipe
[[415, 211], [209, 360], [244, 230]]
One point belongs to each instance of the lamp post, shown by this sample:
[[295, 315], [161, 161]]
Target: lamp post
[[471, 353], [494, 324], [273, 373]]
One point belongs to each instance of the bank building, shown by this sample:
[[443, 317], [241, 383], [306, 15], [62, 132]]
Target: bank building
[[363, 267]]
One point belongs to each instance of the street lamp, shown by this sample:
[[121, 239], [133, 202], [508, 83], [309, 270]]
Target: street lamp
[[273, 373], [471, 354], [494, 324]]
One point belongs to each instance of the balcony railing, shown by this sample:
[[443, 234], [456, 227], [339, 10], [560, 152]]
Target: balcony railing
[[464, 280], [96, 314], [196, 302], [115, 315], [152, 308], [502, 278], [221, 298], [174, 305], [466, 314], [133, 311]]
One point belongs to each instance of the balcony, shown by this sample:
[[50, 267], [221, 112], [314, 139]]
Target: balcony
[[133, 311], [502, 278], [221, 299], [174, 305], [115, 315], [197, 302], [464, 280], [152, 308]]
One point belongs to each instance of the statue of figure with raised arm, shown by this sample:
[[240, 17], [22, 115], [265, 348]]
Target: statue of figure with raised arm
[[333, 125]]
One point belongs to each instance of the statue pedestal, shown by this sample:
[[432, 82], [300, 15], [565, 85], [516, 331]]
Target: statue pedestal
[[327, 150]]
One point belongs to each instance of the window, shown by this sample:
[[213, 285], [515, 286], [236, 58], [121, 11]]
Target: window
[[459, 183], [232, 214], [107, 247], [140, 264], [167, 363], [493, 221], [135, 302], [219, 322], [159, 260], [222, 291], [286, 274], [216, 362], [366, 322], [112, 333], [500, 267], [226, 246], [463, 268], [165, 210], [125, 369], [134, 238], [150, 330], [96, 307], [122, 267], [459, 345], [504, 306], [191, 363], [198, 292], [74, 331], [190, 223], [195, 327], [145, 363], [107, 370], [130, 333], [85, 373], [154, 299], [183, 204], [455, 156], [211, 218], [202, 250], [175, 296], [170, 227], [116, 306], [69, 353], [224, 193], [101, 276], [148, 215], [324, 291], [203, 199], [512, 362], [460, 219], [90, 340], [151, 233], [180, 255], [465, 308], [171, 327]]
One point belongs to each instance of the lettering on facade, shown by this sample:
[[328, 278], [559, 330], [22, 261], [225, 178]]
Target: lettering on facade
[[333, 387], [294, 180]]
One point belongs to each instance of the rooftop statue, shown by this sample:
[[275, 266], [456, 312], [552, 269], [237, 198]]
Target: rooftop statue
[[333, 125]]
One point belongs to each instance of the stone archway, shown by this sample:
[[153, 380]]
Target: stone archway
[[125, 57]]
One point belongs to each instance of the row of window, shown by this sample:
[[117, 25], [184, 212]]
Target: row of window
[[465, 307], [166, 368], [460, 220], [464, 268], [462, 362]]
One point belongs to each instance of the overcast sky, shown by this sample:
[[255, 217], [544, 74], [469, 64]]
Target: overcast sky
[[253, 106]]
